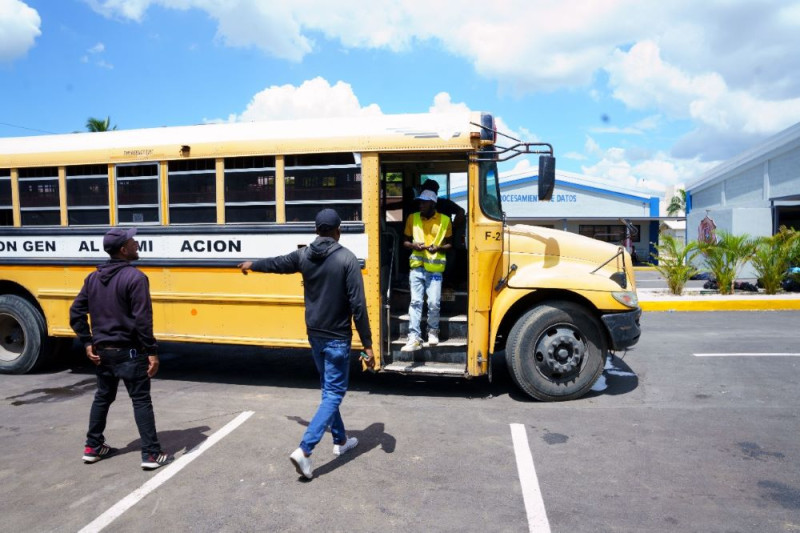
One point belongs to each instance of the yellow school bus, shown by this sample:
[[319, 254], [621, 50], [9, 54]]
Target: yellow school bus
[[207, 197]]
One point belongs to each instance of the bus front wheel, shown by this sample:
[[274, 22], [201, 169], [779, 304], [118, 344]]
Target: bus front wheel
[[22, 335], [556, 351]]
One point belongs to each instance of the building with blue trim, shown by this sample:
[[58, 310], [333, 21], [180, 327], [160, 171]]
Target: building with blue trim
[[580, 204]]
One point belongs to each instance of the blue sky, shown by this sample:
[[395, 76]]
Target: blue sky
[[633, 92]]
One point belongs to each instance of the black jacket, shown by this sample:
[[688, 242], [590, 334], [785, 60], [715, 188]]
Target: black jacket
[[117, 297], [334, 288]]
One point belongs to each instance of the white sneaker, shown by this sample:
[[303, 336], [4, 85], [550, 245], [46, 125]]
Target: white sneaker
[[301, 463], [433, 339], [341, 449], [412, 345]]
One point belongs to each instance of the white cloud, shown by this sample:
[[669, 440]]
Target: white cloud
[[96, 51], [526, 45], [655, 173], [20, 25], [575, 156], [443, 104], [313, 99], [642, 80], [725, 67]]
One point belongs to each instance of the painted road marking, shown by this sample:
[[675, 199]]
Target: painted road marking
[[159, 479], [531, 494], [748, 354]]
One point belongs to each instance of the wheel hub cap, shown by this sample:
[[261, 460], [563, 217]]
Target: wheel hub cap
[[562, 350]]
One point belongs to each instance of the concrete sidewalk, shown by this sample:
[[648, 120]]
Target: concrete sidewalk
[[654, 296], [702, 300]]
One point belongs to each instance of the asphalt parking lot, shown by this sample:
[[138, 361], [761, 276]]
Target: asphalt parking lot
[[673, 439]]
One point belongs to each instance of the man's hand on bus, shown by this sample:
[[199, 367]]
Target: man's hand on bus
[[152, 365], [244, 267], [90, 353]]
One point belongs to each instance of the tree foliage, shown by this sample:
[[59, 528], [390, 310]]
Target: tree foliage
[[677, 204], [726, 257], [675, 262], [773, 256], [97, 124]]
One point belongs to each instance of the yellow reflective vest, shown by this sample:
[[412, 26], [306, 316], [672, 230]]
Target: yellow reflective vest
[[433, 262]]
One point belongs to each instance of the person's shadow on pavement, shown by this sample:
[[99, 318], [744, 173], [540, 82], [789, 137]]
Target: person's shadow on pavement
[[369, 438], [173, 441]]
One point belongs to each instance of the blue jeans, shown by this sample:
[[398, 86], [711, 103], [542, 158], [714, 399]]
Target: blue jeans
[[421, 282], [332, 358], [115, 365]]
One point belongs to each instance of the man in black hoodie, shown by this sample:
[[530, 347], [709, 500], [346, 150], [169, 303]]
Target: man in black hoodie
[[334, 298], [120, 343]]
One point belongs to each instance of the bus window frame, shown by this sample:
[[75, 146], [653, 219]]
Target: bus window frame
[[184, 207], [102, 207], [266, 204], [158, 204], [47, 209]]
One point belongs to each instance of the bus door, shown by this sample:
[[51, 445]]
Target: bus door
[[402, 180]]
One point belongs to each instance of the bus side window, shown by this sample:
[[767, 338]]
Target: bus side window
[[138, 193], [39, 196], [192, 189], [313, 180], [250, 189], [6, 208]]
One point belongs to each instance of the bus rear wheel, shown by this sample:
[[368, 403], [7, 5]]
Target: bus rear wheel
[[22, 335], [556, 351]]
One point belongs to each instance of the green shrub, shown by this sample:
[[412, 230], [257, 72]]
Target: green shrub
[[773, 256], [675, 262], [726, 257]]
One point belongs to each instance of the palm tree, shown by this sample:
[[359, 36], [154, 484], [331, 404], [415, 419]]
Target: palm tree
[[675, 262], [677, 204], [726, 257], [96, 124], [773, 257]]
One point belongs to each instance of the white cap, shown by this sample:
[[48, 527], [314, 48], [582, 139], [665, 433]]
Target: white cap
[[427, 195]]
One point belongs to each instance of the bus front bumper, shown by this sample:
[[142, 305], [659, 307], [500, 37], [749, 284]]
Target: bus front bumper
[[623, 328]]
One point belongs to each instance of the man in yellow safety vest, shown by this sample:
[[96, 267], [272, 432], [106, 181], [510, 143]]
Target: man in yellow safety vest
[[428, 234]]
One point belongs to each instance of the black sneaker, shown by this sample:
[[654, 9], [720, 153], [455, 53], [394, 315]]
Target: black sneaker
[[153, 461], [92, 455]]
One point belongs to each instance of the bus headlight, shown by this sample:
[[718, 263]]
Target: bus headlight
[[626, 298]]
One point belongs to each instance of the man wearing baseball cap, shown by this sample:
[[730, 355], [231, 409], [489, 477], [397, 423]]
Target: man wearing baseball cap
[[120, 343], [334, 299], [428, 234]]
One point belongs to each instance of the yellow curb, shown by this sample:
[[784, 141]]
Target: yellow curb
[[643, 269], [721, 305]]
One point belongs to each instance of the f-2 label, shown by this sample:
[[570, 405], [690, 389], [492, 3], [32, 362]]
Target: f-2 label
[[489, 236]]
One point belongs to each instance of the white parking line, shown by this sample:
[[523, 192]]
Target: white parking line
[[156, 481], [748, 354], [531, 494]]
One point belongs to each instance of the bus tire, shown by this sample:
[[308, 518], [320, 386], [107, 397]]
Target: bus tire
[[556, 351], [23, 336]]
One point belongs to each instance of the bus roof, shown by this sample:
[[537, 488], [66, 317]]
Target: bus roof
[[429, 131]]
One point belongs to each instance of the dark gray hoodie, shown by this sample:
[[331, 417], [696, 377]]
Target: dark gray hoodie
[[334, 288], [117, 297]]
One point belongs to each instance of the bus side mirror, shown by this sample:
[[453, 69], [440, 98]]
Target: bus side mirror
[[547, 177]]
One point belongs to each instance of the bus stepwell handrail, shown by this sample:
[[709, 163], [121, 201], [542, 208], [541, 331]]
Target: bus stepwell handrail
[[388, 304]]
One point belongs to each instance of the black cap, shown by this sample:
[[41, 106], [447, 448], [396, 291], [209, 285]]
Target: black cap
[[116, 237], [430, 185], [327, 219]]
